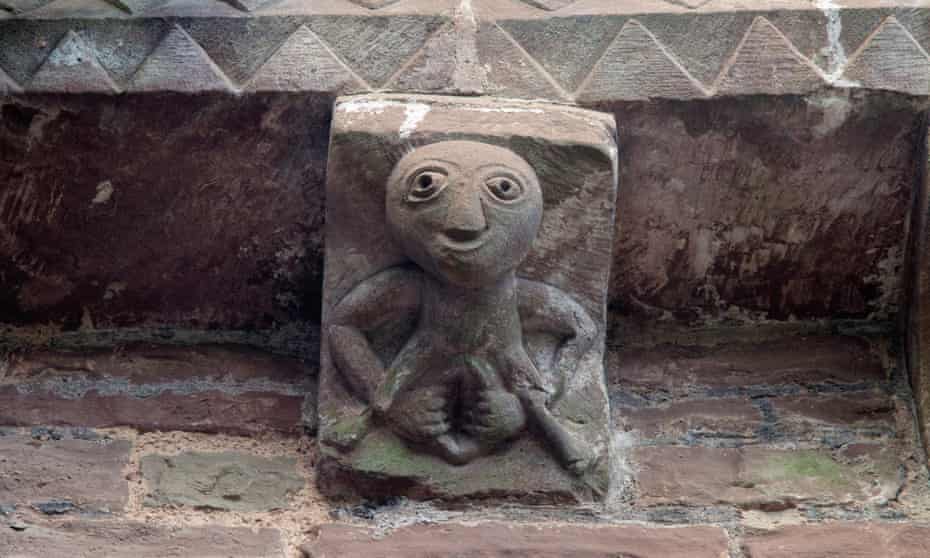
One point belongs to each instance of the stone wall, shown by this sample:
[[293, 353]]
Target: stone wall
[[207, 212], [161, 234]]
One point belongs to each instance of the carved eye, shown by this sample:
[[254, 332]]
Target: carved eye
[[504, 188], [426, 185]]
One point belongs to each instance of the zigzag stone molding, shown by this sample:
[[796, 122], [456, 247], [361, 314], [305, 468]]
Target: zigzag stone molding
[[585, 51]]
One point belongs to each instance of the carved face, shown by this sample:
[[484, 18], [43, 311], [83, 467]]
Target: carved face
[[466, 212]]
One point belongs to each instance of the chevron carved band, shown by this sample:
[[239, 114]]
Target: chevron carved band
[[583, 51]]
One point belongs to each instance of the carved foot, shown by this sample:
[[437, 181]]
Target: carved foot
[[458, 450], [497, 417], [573, 453], [422, 416]]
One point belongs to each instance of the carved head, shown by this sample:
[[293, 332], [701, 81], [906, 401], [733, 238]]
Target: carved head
[[466, 212]]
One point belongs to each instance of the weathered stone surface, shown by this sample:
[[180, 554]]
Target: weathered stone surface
[[567, 47], [188, 246], [249, 5], [467, 347], [549, 4], [746, 224], [118, 45], [693, 47], [139, 540], [799, 360], [782, 242], [303, 63], [222, 481], [637, 66], [918, 317], [536, 541], [256, 40], [201, 388], [701, 417], [373, 4], [509, 72], [205, 411], [375, 47], [22, 6], [841, 540], [891, 59], [767, 62], [437, 68], [468, 56], [77, 9], [705, 41], [852, 409], [761, 478], [179, 64], [150, 366], [72, 67], [80, 473], [7, 85]]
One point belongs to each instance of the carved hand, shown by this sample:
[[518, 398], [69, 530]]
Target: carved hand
[[497, 416], [421, 416]]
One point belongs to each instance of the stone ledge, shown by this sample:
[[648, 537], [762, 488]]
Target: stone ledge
[[537, 541], [202, 388], [734, 368], [139, 540], [903, 540], [585, 51]]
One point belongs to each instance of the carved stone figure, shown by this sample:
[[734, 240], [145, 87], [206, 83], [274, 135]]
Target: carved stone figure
[[452, 355], [466, 214]]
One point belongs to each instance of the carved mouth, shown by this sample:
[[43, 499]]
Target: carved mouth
[[461, 244]]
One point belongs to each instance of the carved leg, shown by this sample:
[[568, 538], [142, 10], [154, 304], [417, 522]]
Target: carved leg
[[416, 358], [573, 453], [353, 357]]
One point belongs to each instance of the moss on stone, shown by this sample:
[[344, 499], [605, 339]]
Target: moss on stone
[[811, 465], [348, 431], [384, 453]]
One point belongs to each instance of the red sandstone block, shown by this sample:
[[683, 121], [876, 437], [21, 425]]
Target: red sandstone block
[[201, 388], [785, 361], [68, 539], [208, 411], [674, 420], [148, 363], [81, 473], [847, 409], [531, 541], [841, 540], [762, 478]]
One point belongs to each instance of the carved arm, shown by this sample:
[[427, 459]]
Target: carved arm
[[371, 304], [549, 309]]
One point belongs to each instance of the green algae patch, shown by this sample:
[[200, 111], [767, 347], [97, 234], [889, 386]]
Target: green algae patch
[[384, 453], [800, 465], [347, 432], [801, 475]]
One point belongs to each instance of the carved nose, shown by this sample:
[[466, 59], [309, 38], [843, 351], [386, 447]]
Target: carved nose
[[465, 218]]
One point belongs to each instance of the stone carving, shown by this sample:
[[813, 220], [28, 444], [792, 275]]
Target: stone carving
[[466, 214], [602, 52], [453, 342]]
